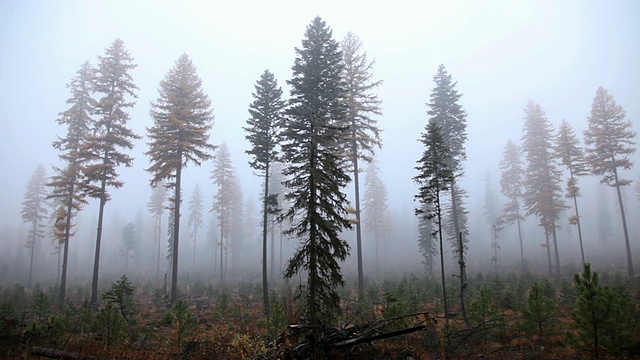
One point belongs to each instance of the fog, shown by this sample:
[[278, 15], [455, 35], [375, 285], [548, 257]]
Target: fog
[[501, 53]]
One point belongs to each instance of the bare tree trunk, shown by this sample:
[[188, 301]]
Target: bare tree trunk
[[265, 284], [356, 183], [624, 226], [463, 280], [176, 231], [67, 235], [96, 260], [555, 249], [159, 232], [33, 248], [548, 246]]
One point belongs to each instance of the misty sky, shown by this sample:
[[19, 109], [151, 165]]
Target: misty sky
[[502, 53]]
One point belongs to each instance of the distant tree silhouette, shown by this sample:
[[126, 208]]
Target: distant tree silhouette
[[156, 207], [34, 211], [196, 209], [512, 187], [375, 205], [223, 177]]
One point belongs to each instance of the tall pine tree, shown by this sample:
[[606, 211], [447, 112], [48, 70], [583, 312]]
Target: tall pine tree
[[435, 175], [374, 206], [263, 128], [571, 155], [223, 177], [110, 135], [364, 134], [609, 141], [542, 195], [512, 187], [312, 140], [67, 188], [182, 118]]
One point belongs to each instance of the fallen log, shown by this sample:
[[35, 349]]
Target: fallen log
[[62, 355]]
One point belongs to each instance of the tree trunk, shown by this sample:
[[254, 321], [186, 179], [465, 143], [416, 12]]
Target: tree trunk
[[96, 260], [265, 284], [520, 238], [33, 248], [624, 225], [555, 249], [463, 280], [222, 218], [548, 246], [195, 239], [444, 286], [67, 235], [356, 183], [575, 206], [176, 231]]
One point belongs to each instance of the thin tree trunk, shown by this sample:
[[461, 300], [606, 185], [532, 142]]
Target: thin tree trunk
[[356, 183], [67, 235], [444, 286], [273, 250], [548, 246], [624, 225], [176, 231], [222, 218], [265, 285], [280, 252], [463, 280], [555, 249], [195, 239], [33, 247], [158, 231], [58, 267], [520, 238], [96, 260], [575, 206]]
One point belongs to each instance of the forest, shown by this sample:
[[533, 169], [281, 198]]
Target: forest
[[323, 264]]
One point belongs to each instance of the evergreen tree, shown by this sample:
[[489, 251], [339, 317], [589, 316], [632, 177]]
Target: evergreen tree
[[34, 211], [129, 242], [542, 177], [375, 207], [103, 150], [156, 208], [539, 314], [571, 155], [512, 187], [67, 183], [447, 112], [609, 141], [182, 118], [311, 144], [435, 175], [364, 134], [196, 208], [263, 128], [223, 177]]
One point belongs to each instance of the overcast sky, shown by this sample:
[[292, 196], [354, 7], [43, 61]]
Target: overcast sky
[[502, 53]]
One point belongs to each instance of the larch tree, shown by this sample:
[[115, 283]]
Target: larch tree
[[223, 177], [67, 185], [435, 175], [609, 141], [34, 211], [374, 206], [364, 134], [109, 137], [312, 142], [263, 128], [156, 207], [571, 155], [195, 223], [543, 194], [445, 109], [182, 118], [512, 187]]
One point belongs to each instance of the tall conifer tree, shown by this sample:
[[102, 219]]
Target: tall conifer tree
[[435, 175], [571, 155], [512, 187], [196, 208], [542, 195], [110, 135], [364, 134], [156, 207], [375, 207], [263, 128], [312, 140], [182, 118], [609, 141], [67, 187], [223, 177]]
